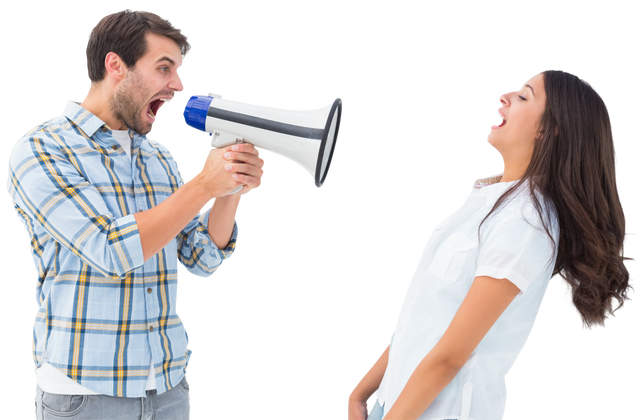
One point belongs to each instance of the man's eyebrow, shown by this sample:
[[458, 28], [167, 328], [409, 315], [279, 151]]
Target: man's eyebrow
[[165, 58], [532, 91], [173, 63]]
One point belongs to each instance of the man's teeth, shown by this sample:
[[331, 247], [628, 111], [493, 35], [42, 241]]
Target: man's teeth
[[165, 101]]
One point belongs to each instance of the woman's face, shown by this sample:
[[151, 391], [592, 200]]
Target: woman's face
[[521, 111]]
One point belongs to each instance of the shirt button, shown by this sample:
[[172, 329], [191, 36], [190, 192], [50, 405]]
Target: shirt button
[[105, 129], [114, 147], [149, 290], [150, 329]]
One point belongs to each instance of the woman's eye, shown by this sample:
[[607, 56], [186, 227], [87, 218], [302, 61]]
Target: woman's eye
[[522, 97]]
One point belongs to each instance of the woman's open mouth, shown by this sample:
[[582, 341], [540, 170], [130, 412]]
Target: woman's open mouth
[[499, 124], [501, 121]]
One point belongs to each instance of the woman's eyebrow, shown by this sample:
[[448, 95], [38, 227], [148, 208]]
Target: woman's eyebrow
[[532, 91]]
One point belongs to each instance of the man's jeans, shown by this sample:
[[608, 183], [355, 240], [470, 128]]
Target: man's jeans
[[172, 405]]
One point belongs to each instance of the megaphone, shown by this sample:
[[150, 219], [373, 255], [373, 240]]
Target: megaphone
[[306, 137]]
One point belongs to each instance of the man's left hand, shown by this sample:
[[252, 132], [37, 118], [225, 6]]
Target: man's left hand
[[248, 166]]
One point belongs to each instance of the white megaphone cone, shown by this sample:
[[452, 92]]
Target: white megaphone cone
[[306, 137]]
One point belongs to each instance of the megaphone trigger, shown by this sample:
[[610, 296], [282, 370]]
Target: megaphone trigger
[[222, 139]]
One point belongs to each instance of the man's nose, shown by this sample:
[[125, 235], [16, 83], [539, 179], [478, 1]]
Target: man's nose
[[176, 84]]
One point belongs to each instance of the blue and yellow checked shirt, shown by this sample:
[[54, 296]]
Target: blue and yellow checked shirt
[[104, 312]]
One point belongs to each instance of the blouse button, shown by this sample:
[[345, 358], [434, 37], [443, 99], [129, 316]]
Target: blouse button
[[150, 329], [114, 147], [149, 290]]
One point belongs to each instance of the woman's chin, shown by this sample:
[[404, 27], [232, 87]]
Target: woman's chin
[[490, 142], [487, 139]]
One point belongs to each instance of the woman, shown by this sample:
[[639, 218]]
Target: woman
[[483, 273]]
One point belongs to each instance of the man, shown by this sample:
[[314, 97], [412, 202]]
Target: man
[[109, 217]]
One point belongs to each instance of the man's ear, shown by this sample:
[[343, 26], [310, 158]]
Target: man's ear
[[115, 66]]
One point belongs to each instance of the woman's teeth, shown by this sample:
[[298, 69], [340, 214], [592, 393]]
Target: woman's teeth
[[501, 121]]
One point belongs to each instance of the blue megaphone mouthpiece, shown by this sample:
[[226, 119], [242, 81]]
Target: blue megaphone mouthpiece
[[195, 113]]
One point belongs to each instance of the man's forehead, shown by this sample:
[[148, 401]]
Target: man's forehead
[[169, 59], [161, 48]]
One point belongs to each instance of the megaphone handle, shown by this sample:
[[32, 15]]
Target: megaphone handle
[[222, 139], [238, 140]]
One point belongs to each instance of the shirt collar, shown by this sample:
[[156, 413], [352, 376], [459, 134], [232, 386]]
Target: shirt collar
[[90, 124], [491, 187], [485, 182]]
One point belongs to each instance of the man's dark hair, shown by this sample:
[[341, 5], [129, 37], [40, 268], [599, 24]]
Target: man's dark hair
[[124, 33]]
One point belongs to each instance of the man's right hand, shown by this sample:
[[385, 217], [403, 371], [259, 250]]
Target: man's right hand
[[212, 177], [230, 167]]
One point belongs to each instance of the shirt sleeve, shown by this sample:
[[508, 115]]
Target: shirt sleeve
[[46, 183], [517, 249], [197, 253]]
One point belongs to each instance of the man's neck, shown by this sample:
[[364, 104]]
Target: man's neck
[[96, 101]]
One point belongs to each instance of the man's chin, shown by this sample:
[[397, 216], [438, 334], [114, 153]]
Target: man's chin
[[142, 130]]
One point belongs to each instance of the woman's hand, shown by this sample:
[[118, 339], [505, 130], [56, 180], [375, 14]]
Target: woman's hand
[[357, 409]]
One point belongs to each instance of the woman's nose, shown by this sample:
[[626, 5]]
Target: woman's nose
[[502, 94]]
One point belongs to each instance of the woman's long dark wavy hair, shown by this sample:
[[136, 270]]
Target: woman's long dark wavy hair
[[573, 167]]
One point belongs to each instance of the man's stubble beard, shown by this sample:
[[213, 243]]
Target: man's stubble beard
[[127, 103]]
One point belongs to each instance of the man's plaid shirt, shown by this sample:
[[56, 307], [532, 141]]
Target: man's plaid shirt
[[104, 312]]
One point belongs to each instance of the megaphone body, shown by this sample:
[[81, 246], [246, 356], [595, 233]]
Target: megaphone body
[[306, 137]]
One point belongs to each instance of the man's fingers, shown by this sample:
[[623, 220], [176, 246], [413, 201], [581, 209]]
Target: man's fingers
[[243, 148], [248, 181], [244, 164], [245, 169], [242, 157]]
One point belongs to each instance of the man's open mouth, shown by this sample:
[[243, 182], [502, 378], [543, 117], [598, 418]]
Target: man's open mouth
[[155, 105]]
